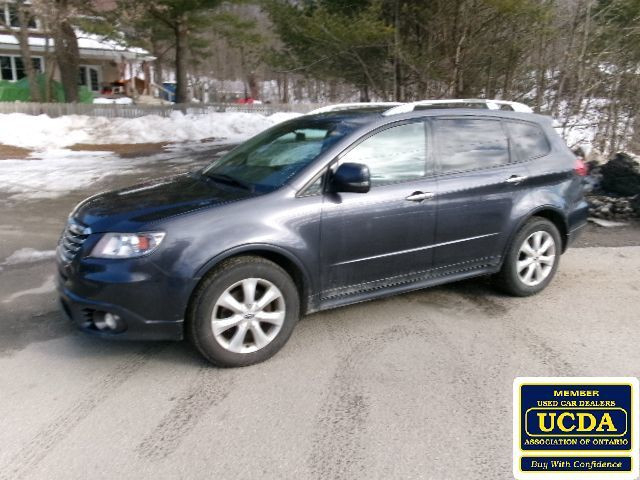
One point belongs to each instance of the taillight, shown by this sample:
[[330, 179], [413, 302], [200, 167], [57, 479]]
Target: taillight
[[580, 167]]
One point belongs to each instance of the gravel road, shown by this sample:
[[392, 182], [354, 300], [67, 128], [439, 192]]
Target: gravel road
[[414, 386]]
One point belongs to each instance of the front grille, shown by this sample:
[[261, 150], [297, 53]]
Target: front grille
[[72, 239], [87, 317]]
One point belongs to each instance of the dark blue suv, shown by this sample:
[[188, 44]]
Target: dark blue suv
[[322, 211]]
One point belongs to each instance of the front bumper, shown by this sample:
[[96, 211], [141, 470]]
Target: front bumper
[[149, 304], [83, 313]]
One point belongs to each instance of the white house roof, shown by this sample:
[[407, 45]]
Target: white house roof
[[89, 45]]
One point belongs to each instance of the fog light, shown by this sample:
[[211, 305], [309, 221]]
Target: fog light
[[105, 321], [111, 320]]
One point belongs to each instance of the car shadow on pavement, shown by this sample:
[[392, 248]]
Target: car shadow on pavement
[[26, 328], [23, 328]]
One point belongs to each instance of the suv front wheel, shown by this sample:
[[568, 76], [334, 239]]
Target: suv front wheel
[[243, 312], [532, 259]]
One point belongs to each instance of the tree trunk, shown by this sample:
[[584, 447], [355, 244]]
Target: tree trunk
[[285, 89], [397, 73], [252, 81], [364, 94], [49, 61], [157, 63], [66, 52], [333, 91], [49, 69], [24, 15], [181, 61]]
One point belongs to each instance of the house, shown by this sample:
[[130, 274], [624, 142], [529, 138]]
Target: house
[[104, 64]]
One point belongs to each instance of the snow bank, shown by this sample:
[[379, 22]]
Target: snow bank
[[56, 172], [28, 255], [44, 133]]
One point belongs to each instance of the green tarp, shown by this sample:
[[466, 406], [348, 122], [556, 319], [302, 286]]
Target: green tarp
[[19, 91]]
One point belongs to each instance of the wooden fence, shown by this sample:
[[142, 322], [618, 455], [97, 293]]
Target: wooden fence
[[134, 111]]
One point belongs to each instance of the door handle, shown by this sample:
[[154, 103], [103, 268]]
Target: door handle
[[420, 196], [515, 179]]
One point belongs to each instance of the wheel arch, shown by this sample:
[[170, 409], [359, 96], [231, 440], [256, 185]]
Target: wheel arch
[[548, 212], [281, 257], [558, 218]]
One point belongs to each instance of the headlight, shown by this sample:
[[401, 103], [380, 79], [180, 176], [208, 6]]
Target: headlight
[[127, 245]]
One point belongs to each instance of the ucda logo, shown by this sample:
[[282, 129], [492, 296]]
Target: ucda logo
[[579, 422]]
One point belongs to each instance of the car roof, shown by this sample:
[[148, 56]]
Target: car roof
[[374, 115], [360, 114]]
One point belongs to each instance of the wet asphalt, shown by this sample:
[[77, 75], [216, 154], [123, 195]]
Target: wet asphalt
[[413, 386]]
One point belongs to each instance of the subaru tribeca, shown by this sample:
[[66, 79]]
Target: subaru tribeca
[[318, 212]]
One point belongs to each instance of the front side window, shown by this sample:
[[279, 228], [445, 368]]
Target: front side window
[[528, 140], [270, 159], [397, 154], [469, 144]]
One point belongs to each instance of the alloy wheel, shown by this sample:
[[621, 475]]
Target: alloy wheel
[[248, 315], [536, 258]]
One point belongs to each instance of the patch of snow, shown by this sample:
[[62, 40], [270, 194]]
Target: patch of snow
[[278, 117], [42, 132], [49, 285], [59, 171], [585, 129], [116, 101], [28, 255], [607, 223]]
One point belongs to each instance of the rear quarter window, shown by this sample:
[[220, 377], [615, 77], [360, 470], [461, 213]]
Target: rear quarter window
[[528, 140]]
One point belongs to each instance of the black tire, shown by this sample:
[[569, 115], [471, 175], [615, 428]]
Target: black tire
[[508, 279], [199, 327]]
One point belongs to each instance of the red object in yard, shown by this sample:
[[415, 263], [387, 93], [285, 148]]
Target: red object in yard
[[580, 167], [247, 100]]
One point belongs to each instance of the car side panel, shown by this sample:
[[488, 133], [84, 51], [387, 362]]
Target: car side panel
[[475, 215], [554, 186], [278, 222], [375, 238]]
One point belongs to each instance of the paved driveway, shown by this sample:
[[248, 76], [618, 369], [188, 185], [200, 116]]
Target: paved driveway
[[414, 386]]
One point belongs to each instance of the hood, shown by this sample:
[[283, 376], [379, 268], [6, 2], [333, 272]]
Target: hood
[[129, 208]]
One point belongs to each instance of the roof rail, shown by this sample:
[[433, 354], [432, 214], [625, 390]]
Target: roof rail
[[353, 106], [490, 104]]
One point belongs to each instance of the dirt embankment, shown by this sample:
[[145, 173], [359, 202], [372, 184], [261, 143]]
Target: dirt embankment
[[124, 150], [9, 152]]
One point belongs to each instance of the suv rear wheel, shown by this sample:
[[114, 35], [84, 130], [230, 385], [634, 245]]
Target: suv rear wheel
[[532, 259], [243, 312]]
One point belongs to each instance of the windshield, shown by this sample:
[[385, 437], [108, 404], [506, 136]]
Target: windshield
[[268, 160]]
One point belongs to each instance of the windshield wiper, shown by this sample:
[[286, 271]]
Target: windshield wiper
[[228, 179]]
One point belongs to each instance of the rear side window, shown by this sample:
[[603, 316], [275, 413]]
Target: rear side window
[[469, 144], [528, 140]]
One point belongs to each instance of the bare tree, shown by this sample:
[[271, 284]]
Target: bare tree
[[66, 47]]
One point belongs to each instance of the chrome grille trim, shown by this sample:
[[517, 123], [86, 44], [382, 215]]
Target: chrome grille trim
[[72, 239]]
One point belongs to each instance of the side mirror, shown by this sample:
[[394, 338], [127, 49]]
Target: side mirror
[[351, 177]]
